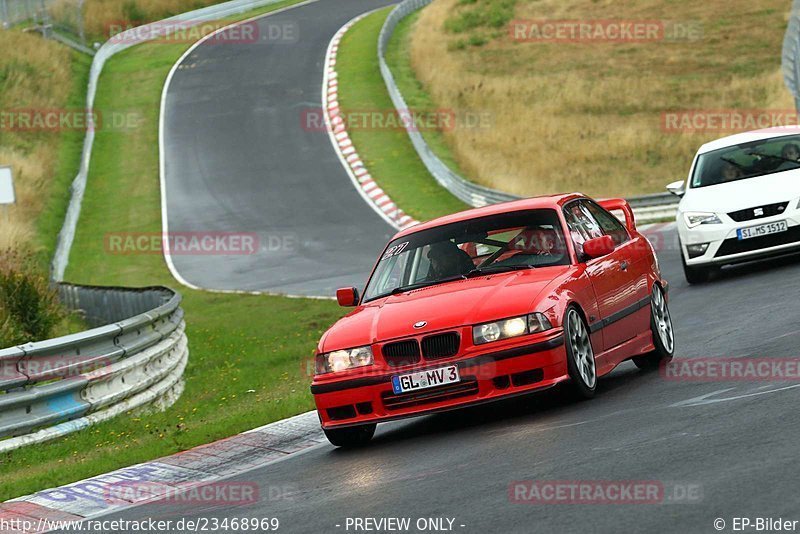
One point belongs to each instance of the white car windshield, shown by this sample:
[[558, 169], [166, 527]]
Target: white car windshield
[[747, 160], [503, 242]]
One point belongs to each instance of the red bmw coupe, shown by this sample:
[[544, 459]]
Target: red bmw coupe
[[490, 303]]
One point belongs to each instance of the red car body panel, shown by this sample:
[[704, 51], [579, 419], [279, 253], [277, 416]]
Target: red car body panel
[[612, 292]]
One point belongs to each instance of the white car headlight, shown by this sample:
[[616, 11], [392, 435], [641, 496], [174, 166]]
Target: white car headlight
[[341, 360], [516, 326], [696, 218]]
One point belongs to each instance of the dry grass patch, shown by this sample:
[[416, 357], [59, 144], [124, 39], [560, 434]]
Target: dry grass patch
[[102, 15], [572, 116], [34, 75]]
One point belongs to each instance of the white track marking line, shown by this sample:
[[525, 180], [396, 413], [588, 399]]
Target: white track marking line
[[704, 399]]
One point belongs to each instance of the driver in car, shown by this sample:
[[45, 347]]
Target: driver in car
[[447, 260]]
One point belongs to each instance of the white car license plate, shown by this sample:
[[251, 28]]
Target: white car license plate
[[762, 230], [425, 379]]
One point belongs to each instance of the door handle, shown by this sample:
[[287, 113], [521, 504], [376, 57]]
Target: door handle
[[624, 265]]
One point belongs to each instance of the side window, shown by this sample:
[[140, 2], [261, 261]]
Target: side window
[[608, 223], [582, 226]]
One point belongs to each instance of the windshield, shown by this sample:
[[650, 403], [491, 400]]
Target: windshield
[[747, 160], [504, 242]]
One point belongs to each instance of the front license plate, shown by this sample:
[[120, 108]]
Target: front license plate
[[762, 230], [425, 379]]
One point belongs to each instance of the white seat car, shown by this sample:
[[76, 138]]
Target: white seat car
[[741, 201]]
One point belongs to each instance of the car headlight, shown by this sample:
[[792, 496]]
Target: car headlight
[[341, 360], [696, 218], [516, 326]]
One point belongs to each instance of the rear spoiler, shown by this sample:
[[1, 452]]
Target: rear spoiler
[[620, 204]]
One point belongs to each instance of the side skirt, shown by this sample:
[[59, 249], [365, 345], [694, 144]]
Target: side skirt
[[609, 360]]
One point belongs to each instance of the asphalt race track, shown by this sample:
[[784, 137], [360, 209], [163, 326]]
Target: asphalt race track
[[732, 444], [736, 442], [240, 158]]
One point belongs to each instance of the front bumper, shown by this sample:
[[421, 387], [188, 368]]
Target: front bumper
[[492, 374], [724, 246]]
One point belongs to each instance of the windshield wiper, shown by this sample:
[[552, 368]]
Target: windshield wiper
[[773, 156], [420, 285], [732, 162], [491, 269]]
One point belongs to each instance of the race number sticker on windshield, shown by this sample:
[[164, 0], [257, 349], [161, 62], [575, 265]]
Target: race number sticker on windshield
[[394, 251], [425, 379]]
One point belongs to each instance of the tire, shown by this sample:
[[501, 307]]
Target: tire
[[695, 275], [350, 437], [663, 334], [581, 365]]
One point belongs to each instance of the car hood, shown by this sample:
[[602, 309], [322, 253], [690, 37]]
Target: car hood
[[742, 194], [442, 306]]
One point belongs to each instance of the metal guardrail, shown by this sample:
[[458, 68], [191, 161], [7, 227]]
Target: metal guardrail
[[134, 356], [648, 208], [466, 191], [790, 57], [123, 41]]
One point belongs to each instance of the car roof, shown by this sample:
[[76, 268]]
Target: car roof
[[746, 137], [541, 202]]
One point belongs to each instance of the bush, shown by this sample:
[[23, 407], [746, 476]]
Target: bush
[[29, 308]]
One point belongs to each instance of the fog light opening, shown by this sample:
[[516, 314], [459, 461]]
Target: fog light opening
[[697, 250]]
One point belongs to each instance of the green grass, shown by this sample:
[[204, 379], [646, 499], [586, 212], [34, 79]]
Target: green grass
[[389, 154], [416, 96], [246, 364], [480, 15], [49, 222]]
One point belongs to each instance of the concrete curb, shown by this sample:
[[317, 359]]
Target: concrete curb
[[375, 197], [98, 496]]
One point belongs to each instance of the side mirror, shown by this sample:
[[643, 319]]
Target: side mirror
[[599, 247], [677, 188], [347, 297]]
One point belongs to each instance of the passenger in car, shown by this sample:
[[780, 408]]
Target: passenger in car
[[790, 151]]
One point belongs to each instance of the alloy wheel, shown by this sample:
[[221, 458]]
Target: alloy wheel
[[581, 347], [662, 319]]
